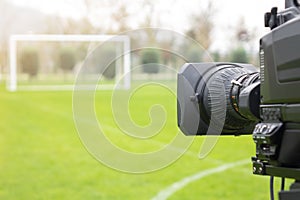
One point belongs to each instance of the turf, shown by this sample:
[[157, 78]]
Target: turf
[[42, 157]]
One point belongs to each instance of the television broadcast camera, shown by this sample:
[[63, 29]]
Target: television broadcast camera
[[236, 99]]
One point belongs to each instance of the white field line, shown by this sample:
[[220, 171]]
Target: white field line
[[167, 192]]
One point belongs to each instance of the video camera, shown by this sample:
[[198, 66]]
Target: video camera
[[236, 99]]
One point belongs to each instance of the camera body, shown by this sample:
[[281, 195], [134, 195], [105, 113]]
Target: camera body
[[236, 99], [277, 136]]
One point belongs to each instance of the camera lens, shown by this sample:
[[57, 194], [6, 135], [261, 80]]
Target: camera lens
[[222, 89], [233, 79]]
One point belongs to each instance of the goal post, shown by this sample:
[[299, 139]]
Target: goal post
[[12, 82]]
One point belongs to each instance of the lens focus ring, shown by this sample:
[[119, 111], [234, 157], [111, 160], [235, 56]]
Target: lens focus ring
[[218, 83]]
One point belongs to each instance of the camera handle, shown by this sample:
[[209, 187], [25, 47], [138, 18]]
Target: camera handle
[[274, 19], [291, 3], [292, 194], [294, 191]]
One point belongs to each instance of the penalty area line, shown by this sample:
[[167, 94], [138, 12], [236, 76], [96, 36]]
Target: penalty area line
[[169, 191]]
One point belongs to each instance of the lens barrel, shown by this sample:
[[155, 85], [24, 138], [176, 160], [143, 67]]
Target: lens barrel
[[225, 97]]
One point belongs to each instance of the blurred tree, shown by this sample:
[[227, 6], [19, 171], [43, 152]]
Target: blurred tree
[[216, 56], [149, 21], [7, 22], [67, 59], [168, 57], [150, 61], [103, 60], [118, 11], [202, 25], [193, 54], [64, 25], [81, 26], [109, 70], [120, 17], [242, 34], [242, 50], [239, 55], [30, 62]]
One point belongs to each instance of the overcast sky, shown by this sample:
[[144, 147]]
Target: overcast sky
[[176, 13]]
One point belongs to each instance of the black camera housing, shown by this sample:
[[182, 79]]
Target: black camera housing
[[265, 104], [277, 137]]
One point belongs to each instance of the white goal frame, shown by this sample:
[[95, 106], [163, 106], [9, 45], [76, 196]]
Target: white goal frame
[[12, 79]]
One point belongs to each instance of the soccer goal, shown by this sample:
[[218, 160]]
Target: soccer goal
[[52, 62]]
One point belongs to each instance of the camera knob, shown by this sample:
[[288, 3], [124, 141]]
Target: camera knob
[[271, 18]]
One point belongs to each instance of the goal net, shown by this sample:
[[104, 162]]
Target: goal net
[[52, 62]]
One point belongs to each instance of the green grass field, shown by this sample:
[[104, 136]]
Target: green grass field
[[42, 157]]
